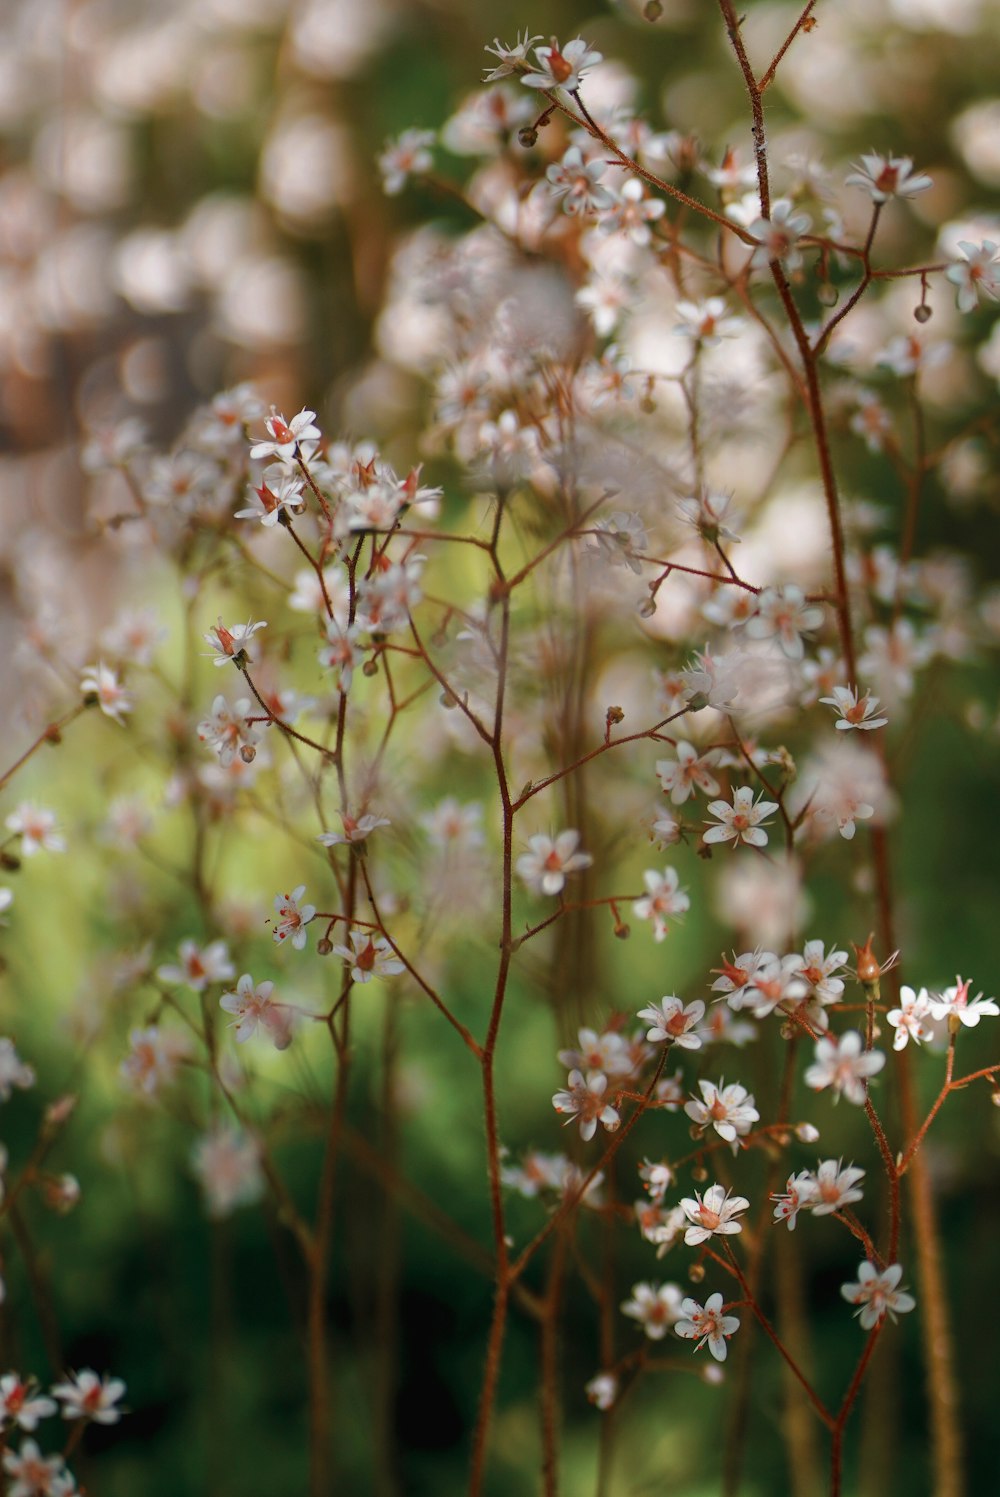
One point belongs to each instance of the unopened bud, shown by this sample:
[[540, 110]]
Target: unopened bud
[[696, 1273], [9, 862], [527, 136], [370, 668], [623, 932], [923, 313], [652, 10], [647, 608], [448, 700], [647, 405], [699, 1173], [248, 753], [324, 946], [827, 294], [614, 716], [995, 1096], [806, 1133], [713, 1374]]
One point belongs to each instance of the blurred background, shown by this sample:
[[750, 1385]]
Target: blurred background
[[190, 198]]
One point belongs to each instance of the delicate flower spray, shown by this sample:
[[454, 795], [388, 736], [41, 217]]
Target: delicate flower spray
[[394, 886]]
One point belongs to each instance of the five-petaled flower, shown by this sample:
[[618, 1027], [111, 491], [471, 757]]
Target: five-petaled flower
[[662, 899], [740, 822], [712, 1214], [370, 956], [253, 1006], [876, 1294], [293, 917], [655, 1306], [285, 436], [706, 1322], [885, 177], [583, 1097], [545, 867], [845, 1065], [855, 711], [561, 67], [673, 1023], [100, 684], [84, 1395]]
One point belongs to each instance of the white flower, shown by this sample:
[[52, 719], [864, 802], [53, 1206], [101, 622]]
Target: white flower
[[713, 680], [231, 644], [198, 967], [978, 274], [286, 435], [707, 321], [545, 867], [577, 183], [18, 1406], [655, 1306], [834, 1187], [620, 541], [253, 1006], [608, 1052], [679, 778], [227, 1163], [740, 822], [885, 177], [798, 1194], [229, 730], [84, 1395], [293, 917], [778, 236], [818, 970], [584, 1098], [729, 1110], [854, 712], [561, 68], [877, 1295], [674, 1023], [909, 1020], [370, 956], [663, 898], [152, 1059], [341, 653], [712, 1214], [784, 616], [37, 829], [100, 683], [271, 505], [408, 155], [13, 1071], [706, 1322], [955, 1005], [356, 829], [36, 1475], [845, 1065], [510, 58]]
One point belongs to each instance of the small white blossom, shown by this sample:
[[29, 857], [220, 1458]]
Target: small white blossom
[[370, 956], [36, 827], [583, 1098], [655, 1306], [662, 899], [575, 183], [845, 1065], [712, 1214], [84, 1395], [545, 867], [910, 1019], [778, 236], [741, 821], [602, 1390], [227, 1164], [285, 436], [674, 1023], [253, 1007], [855, 712], [293, 917], [885, 177], [729, 1110], [706, 1322], [101, 683], [561, 68], [198, 966], [876, 1294], [233, 643], [406, 156], [955, 1005], [978, 274], [689, 771], [784, 616], [510, 58], [19, 1405]]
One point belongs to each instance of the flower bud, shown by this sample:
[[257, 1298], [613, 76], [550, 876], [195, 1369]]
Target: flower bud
[[324, 946], [652, 10], [806, 1133], [923, 312], [248, 753], [696, 1273], [827, 294], [527, 136]]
